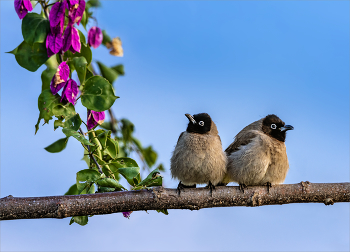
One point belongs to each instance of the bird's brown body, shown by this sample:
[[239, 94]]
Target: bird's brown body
[[257, 158], [199, 158]]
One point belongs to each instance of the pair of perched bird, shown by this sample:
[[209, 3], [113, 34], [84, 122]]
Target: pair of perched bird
[[257, 155]]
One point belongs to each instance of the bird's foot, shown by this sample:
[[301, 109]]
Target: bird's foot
[[211, 187], [269, 185], [182, 186], [242, 186]]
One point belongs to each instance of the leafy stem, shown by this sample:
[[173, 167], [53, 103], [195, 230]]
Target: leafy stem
[[90, 154]]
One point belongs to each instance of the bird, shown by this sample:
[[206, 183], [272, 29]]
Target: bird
[[258, 154], [198, 157]]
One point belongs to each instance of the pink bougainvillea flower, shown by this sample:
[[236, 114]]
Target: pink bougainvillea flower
[[73, 2], [22, 7], [95, 37], [70, 92], [56, 18], [127, 214], [76, 11], [94, 118], [71, 40], [60, 78], [54, 43]]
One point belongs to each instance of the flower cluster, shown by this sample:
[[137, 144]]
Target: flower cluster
[[56, 40], [60, 80]]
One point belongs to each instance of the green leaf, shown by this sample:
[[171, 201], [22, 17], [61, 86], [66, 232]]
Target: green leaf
[[85, 51], [106, 126], [80, 66], [160, 167], [137, 143], [81, 220], [108, 182], [86, 158], [84, 20], [130, 173], [127, 130], [35, 28], [112, 147], [46, 102], [164, 211], [106, 39], [124, 162], [64, 111], [108, 73], [88, 175], [57, 146], [82, 37], [102, 137], [30, 57], [89, 74], [119, 69], [150, 156], [94, 3], [73, 190], [97, 94], [153, 179], [105, 189], [46, 77], [76, 135], [72, 122]]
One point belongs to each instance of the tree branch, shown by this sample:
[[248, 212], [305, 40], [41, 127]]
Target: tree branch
[[164, 198]]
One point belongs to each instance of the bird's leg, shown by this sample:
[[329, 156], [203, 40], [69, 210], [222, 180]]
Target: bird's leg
[[182, 186], [242, 186], [269, 185], [210, 186]]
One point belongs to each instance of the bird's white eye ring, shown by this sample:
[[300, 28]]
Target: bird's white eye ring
[[201, 123], [273, 126]]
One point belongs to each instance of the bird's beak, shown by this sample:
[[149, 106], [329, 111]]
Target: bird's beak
[[286, 127], [191, 118]]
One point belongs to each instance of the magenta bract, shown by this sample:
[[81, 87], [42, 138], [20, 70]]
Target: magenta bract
[[70, 92], [127, 214], [95, 37], [54, 43], [22, 7], [94, 118], [76, 11], [60, 78], [71, 40], [56, 17]]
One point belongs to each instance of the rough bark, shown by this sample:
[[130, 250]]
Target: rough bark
[[163, 198]]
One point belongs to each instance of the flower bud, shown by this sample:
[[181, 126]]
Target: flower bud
[[95, 37]]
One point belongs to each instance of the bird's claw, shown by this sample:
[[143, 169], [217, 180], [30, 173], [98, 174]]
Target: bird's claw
[[211, 187], [181, 186], [242, 186], [269, 185]]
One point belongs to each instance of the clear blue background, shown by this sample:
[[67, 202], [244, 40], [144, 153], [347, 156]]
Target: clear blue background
[[237, 61]]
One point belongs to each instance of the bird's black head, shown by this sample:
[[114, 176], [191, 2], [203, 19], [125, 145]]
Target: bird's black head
[[273, 126], [199, 123]]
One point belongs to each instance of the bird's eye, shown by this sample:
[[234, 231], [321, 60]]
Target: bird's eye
[[273, 126], [201, 123]]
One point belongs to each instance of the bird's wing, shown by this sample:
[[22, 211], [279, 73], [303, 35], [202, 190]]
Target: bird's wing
[[241, 140], [180, 137], [248, 158]]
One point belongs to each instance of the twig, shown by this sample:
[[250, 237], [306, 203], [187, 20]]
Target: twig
[[90, 154], [163, 198]]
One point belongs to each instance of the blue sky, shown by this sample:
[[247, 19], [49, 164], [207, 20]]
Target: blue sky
[[237, 61]]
